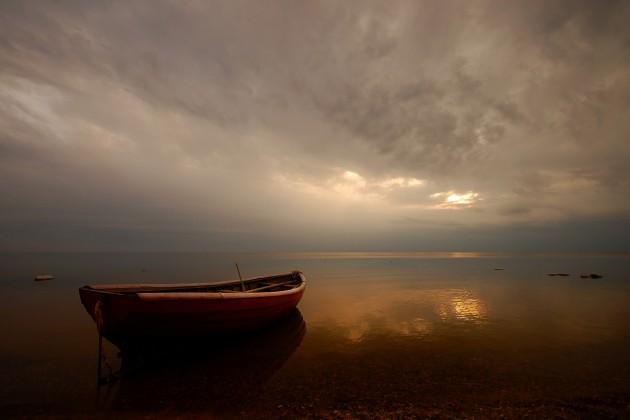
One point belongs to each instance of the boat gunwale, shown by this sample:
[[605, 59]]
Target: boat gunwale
[[136, 289]]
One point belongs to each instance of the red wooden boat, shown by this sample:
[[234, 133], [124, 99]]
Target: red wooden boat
[[156, 310]]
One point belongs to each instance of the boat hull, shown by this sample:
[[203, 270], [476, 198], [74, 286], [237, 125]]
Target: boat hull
[[122, 316]]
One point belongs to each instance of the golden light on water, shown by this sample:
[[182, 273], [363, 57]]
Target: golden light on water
[[463, 309], [408, 313], [468, 308]]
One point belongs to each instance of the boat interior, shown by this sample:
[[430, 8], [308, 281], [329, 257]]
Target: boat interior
[[256, 285]]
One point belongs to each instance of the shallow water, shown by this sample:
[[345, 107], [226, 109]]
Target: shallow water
[[376, 334]]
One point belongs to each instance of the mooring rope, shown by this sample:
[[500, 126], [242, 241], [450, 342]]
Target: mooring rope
[[99, 318], [98, 315]]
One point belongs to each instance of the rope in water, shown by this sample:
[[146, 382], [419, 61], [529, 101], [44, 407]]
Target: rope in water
[[100, 323]]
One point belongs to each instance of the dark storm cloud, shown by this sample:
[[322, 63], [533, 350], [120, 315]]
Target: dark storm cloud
[[197, 119]]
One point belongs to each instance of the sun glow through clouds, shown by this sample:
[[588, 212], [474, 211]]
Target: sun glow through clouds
[[351, 185], [451, 199], [401, 182]]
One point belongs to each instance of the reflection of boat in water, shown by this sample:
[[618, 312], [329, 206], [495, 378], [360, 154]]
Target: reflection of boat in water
[[212, 374], [132, 311]]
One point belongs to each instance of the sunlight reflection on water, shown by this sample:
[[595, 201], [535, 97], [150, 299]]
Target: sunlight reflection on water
[[412, 313], [464, 307]]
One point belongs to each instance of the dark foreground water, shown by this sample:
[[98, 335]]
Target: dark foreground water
[[376, 335]]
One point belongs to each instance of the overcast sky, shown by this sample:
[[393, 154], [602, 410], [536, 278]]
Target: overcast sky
[[307, 125]]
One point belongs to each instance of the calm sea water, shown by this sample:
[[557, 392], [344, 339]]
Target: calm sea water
[[377, 334]]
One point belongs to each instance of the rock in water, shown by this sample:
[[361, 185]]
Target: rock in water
[[591, 276]]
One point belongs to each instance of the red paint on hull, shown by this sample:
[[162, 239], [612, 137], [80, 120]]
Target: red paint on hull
[[185, 314]]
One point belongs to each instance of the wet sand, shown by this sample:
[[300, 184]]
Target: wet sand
[[376, 335]]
